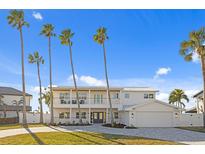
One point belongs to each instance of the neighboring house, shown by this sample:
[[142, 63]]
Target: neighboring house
[[10, 97], [131, 106], [199, 101]]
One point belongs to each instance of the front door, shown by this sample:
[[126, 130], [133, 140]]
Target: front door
[[97, 117]]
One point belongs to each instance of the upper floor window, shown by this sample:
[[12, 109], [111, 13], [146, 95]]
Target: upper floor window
[[148, 96], [115, 96], [83, 96], [127, 96], [98, 98], [64, 95], [151, 96], [116, 115]]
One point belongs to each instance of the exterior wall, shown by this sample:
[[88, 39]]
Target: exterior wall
[[124, 118], [34, 118], [188, 120], [135, 97]]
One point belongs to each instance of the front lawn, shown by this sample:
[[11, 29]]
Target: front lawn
[[78, 138], [196, 129], [15, 126]]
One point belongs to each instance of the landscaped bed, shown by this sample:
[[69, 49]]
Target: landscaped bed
[[78, 138], [119, 126], [16, 126]]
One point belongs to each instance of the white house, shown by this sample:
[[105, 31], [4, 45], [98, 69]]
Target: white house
[[136, 106], [10, 102], [199, 102]]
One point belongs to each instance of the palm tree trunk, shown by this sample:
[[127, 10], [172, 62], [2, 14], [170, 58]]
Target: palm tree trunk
[[23, 79], [40, 101], [75, 84], [108, 87], [51, 88], [203, 74]]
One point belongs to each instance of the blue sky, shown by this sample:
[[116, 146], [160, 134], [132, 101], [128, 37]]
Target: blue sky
[[142, 50]]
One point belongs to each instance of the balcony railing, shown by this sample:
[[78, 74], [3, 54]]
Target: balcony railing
[[85, 101]]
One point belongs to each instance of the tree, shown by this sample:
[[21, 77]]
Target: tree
[[16, 20], [65, 38], [100, 37], [48, 31], [46, 97], [195, 46], [17, 104], [177, 96], [37, 59], [3, 105]]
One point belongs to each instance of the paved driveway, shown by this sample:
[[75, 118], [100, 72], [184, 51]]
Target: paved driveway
[[171, 134]]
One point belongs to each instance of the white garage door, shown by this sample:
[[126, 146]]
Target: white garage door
[[154, 119]]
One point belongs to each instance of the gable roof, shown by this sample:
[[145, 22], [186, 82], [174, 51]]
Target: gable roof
[[143, 104], [197, 94], [11, 91]]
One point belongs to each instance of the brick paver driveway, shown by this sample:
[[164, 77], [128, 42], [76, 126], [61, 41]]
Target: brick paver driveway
[[170, 134]]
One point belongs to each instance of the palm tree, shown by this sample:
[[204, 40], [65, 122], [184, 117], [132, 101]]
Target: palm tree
[[176, 97], [65, 38], [17, 104], [48, 31], [16, 20], [195, 45], [37, 59], [46, 97], [100, 37]]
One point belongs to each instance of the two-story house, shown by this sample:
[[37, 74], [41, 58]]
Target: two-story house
[[10, 102], [136, 106], [199, 102]]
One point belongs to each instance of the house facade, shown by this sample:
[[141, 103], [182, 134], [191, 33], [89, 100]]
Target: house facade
[[135, 106], [10, 102], [199, 102]]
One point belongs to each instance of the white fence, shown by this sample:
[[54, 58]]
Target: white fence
[[188, 120], [34, 117]]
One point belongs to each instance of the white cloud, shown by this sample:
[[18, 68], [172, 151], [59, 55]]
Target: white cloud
[[163, 96], [91, 81], [162, 71], [70, 78], [37, 15]]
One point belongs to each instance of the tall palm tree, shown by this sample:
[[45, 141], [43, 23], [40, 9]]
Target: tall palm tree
[[48, 31], [65, 38], [100, 37], [177, 96], [16, 20], [195, 45], [37, 59]]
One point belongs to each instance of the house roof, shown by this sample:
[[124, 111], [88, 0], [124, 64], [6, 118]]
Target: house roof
[[104, 88], [191, 110], [11, 91], [142, 104], [197, 94]]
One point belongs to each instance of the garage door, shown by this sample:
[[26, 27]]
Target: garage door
[[154, 119]]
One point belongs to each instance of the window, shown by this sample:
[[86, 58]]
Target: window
[[146, 96], [64, 95], [98, 99], [151, 96], [82, 96], [74, 101], [127, 96], [83, 115], [64, 115], [115, 96], [116, 115]]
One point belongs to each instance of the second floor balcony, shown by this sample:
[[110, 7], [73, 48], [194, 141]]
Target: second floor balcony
[[92, 102]]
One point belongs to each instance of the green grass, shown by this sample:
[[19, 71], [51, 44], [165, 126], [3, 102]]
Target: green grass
[[15, 126], [196, 129], [78, 138]]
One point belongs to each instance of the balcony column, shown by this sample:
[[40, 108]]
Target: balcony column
[[107, 115], [71, 96], [89, 97], [89, 115], [70, 115], [89, 101]]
